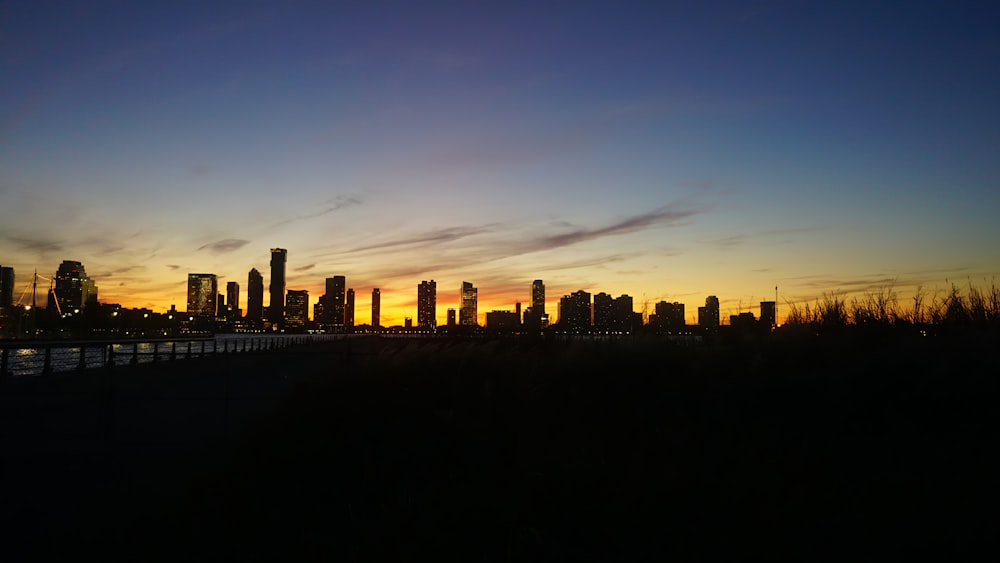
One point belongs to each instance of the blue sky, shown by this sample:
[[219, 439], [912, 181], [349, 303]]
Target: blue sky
[[650, 148]]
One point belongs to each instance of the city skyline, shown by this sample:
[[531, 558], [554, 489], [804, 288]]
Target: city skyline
[[664, 152], [203, 299]]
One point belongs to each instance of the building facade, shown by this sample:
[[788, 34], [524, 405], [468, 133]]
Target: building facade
[[349, 309], [202, 295], [255, 297], [708, 316], [276, 307], [296, 309], [468, 311], [575, 313], [427, 304], [74, 290], [376, 308], [538, 297]]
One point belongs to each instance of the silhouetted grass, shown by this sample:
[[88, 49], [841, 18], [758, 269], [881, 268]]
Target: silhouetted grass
[[975, 309]]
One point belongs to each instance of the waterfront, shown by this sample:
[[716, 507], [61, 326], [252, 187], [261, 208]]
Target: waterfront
[[30, 358]]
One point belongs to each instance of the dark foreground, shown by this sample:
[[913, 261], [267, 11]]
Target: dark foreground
[[475, 450]]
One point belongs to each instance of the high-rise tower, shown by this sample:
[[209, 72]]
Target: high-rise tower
[[73, 288], [538, 297], [297, 309], [335, 300], [468, 311], [349, 308], [427, 304], [376, 308], [276, 307], [202, 294], [255, 297], [233, 298]]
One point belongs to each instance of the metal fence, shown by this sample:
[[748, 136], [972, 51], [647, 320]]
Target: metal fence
[[21, 359]]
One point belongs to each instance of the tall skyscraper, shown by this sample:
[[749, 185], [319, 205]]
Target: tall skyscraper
[[297, 309], [427, 304], [376, 308], [6, 286], [535, 318], [202, 295], [349, 308], [538, 297], [73, 288], [335, 300], [276, 307], [468, 311], [233, 297], [255, 297]]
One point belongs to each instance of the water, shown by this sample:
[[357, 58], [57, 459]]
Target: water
[[31, 361]]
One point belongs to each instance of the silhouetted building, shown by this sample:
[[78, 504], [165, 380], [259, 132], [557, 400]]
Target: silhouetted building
[[6, 286], [74, 290], [669, 318], [502, 322], [331, 306], [538, 297], [202, 295], [622, 318], [349, 309], [575, 313], [276, 307], [319, 312], [768, 315], [233, 298], [602, 312], [743, 321], [296, 309], [708, 316], [451, 317], [255, 297], [427, 304], [376, 308], [468, 311]]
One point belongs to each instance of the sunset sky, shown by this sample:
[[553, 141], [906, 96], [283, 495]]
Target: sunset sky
[[664, 150]]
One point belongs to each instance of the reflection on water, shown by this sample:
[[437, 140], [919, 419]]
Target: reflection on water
[[33, 361]]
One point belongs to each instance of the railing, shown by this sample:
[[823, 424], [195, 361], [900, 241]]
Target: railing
[[20, 359]]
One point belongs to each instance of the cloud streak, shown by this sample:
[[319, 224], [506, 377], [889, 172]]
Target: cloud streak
[[224, 245], [329, 206], [435, 236], [36, 244], [667, 215]]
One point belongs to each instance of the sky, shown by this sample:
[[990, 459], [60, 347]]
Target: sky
[[668, 151]]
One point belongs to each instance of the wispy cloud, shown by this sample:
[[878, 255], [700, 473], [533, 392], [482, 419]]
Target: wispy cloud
[[224, 245], [36, 244], [588, 262], [305, 268], [667, 215], [449, 234], [327, 207]]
